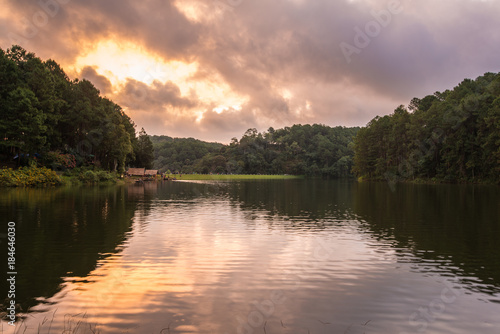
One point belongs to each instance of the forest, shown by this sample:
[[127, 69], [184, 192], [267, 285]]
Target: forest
[[450, 136], [313, 150], [48, 119]]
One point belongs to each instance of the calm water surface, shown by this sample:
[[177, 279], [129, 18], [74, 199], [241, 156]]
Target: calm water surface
[[284, 256]]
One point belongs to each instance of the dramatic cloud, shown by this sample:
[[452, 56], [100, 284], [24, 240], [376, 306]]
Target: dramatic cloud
[[101, 82], [210, 69], [155, 97]]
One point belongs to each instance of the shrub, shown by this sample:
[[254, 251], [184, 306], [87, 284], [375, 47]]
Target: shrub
[[59, 160], [7, 178], [88, 177], [29, 177], [104, 176]]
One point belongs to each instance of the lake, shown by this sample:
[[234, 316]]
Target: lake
[[275, 256]]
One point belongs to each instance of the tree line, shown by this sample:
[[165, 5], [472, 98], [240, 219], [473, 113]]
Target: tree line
[[315, 150], [451, 136], [47, 117]]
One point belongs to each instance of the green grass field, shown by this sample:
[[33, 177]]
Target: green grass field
[[233, 177]]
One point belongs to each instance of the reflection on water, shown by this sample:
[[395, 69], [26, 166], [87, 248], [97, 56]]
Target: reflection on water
[[458, 226], [293, 256]]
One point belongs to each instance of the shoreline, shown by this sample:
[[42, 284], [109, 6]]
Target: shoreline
[[433, 181], [222, 177], [42, 177], [39, 177]]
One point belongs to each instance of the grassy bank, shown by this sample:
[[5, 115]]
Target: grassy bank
[[232, 177], [42, 177]]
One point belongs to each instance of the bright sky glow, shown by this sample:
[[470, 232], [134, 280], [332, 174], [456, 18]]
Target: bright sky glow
[[118, 62]]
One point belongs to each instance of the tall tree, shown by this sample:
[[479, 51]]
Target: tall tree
[[144, 152], [22, 122]]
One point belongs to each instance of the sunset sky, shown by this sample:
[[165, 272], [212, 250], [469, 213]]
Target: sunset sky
[[211, 69]]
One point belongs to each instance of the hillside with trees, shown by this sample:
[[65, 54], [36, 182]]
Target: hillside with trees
[[451, 136], [315, 150], [180, 154], [49, 119]]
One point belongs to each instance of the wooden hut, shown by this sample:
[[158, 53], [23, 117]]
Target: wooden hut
[[151, 172], [136, 172]]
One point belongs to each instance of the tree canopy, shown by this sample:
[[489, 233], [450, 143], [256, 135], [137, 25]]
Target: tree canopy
[[317, 150], [449, 136], [43, 111]]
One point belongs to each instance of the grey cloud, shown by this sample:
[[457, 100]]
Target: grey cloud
[[227, 124], [260, 47], [73, 23], [101, 82], [167, 122], [212, 127], [154, 97], [413, 55]]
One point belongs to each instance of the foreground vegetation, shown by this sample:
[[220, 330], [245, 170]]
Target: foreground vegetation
[[453, 136], [29, 177], [34, 176]]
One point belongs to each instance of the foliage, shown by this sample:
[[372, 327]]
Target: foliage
[[180, 154], [28, 177], [315, 150], [90, 176], [144, 152], [104, 176], [44, 111], [58, 160], [453, 136]]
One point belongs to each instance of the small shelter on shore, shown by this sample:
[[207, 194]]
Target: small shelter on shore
[[151, 172], [136, 171]]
